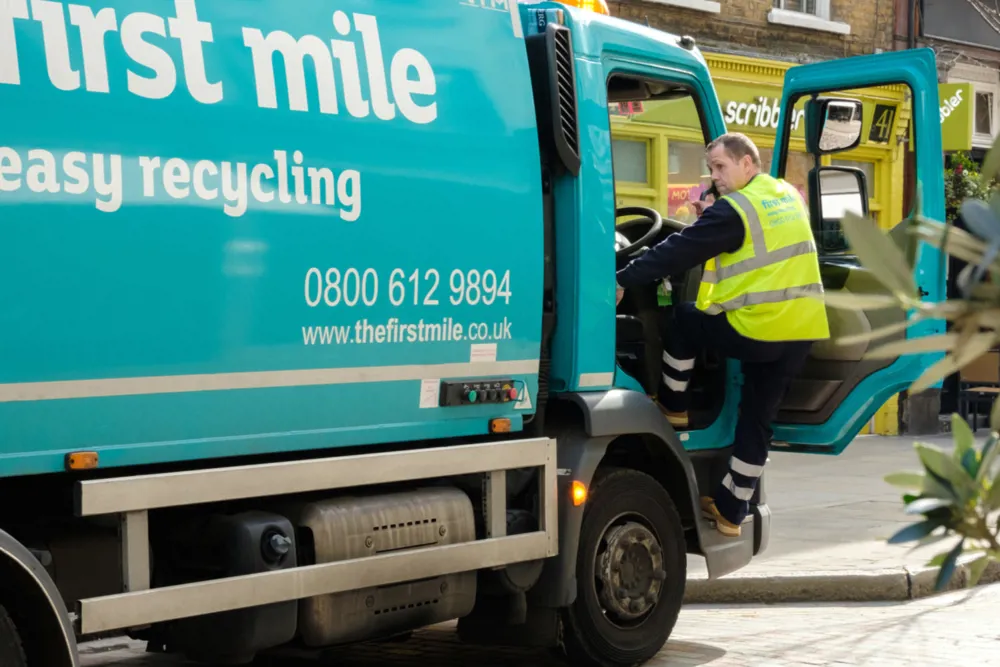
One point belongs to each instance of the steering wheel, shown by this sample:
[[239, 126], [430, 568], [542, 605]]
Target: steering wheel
[[623, 248]]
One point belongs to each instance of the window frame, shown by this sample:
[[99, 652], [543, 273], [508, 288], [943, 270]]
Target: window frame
[[821, 8], [818, 20]]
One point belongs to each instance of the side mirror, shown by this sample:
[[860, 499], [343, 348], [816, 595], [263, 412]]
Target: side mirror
[[833, 125], [833, 193]]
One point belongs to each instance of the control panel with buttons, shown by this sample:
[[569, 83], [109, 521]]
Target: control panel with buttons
[[473, 393]]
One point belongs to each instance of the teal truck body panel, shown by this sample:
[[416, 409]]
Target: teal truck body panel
[[239, 230], [192, 229]]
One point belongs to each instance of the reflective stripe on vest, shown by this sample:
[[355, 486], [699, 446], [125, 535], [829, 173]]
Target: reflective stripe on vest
[[760, 298], [760, 288]]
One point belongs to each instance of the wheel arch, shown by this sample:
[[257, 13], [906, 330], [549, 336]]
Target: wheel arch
[[620, 428], [35, 605]]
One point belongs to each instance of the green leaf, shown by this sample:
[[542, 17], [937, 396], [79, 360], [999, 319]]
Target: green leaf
[[991, 165], [928, 505], [962, 252], [990, 450], [914, 531], [875, 334], [964, 439], [948, 566], [985, 292], [977, 347], [897, 348], [937, 371], [992, 501], [976, 569], [994, 419], [937, 487], [938, 560], [970, 462], [879, 254], [906, 480], [851, 301], [945, 236], [938, 462]]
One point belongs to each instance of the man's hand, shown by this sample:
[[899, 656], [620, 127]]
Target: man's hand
[[699, 206], [619, 293]]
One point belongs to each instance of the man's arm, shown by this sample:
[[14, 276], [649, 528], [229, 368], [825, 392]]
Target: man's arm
[[718, 230]]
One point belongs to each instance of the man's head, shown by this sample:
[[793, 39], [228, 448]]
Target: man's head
[[732, 160]]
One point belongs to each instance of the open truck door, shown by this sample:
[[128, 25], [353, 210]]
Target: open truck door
[[841, 387]]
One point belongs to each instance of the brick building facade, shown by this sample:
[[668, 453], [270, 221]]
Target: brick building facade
[[792, 30]]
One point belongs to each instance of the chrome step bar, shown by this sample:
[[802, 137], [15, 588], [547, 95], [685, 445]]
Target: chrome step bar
[[132, 497]]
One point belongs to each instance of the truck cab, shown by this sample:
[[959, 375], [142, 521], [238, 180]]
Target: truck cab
[[607, 359], [319, 343]]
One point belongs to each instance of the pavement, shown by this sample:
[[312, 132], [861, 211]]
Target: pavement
[[957, 628], [831, 518]]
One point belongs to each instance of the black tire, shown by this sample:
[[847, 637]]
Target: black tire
[[11, 652], [596, 634]]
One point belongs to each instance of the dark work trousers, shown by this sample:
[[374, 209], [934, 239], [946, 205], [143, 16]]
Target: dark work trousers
[[768, 367]]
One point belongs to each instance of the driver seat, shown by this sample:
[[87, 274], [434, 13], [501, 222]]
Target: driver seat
[[644, 304]]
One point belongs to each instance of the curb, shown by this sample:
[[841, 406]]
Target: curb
[[886, 585]]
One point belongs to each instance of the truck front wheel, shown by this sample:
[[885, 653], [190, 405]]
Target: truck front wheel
[[631, 571], [11, 653]]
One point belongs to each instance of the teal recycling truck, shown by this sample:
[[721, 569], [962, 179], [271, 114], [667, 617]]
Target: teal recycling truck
[[309, 332]]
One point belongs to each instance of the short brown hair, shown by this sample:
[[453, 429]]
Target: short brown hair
[[737, 145]]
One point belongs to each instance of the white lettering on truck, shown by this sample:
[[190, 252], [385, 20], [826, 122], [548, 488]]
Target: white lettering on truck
[[409, 74], [294, 52]]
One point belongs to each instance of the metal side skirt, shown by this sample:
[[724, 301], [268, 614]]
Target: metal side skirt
[[132, 497], [161, 604], [146, 492]]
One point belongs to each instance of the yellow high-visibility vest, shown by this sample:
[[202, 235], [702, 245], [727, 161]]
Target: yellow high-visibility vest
[[753, 286]]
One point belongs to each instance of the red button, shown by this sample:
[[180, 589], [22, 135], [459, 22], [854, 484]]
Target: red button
[[513, 394]]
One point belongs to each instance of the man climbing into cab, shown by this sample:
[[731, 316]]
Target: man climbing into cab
[[757, 246]]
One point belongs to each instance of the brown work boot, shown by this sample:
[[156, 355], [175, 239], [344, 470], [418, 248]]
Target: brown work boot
[[723, 525], [679, 420]]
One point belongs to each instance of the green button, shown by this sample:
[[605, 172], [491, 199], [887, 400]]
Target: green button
[[472, 396]]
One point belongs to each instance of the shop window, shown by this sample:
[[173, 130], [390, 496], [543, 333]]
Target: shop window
[[796, 169], [631, 160], [687, 176], [686, 162]]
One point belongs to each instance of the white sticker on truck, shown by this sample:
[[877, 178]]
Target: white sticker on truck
[[483, 353], [429, 393], [523, 400]]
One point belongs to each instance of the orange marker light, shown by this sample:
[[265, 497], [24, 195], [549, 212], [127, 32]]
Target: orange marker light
[[500, 425], [579, 493], [81, 461], [596, 6]]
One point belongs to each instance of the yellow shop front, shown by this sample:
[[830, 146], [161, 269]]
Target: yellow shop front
[[659, 149]]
